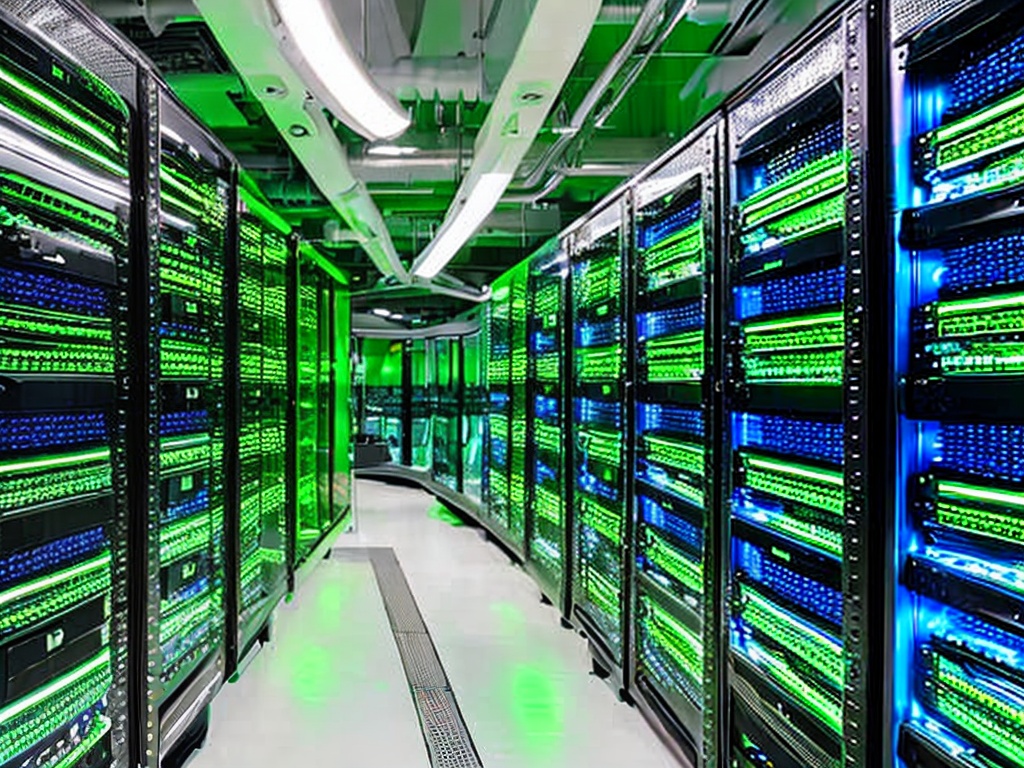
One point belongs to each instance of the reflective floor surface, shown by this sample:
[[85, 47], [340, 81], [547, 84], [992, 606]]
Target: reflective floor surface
[[330, 688]]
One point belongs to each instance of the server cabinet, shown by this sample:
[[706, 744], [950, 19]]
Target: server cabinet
[[599, 463], [499, 436], [258, 406], [474, 415], [797, 411], [958, 108], [677, 600], [183, 397], [446, 416], [381, 394], [517, 427], [419, 358], [546, 423], [64, 361], [342, 402]]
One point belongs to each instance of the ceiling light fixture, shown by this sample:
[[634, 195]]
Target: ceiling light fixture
[[476, 205], [381, 312], [316, 46], [391, 150]]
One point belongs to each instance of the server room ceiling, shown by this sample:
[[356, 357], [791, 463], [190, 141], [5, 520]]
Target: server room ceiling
[[445, 60]]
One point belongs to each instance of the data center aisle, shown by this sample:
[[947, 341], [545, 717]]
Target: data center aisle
[[332, 684], [521, 680]]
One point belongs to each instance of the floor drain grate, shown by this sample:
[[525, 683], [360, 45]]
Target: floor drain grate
[[444, 730]]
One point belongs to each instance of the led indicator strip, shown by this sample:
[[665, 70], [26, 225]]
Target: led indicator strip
[[823, 177], [42, 465], [1005, 525], [989, 140], [55, 580], [100, 727]]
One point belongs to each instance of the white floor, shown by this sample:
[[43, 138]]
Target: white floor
[[331, 686]]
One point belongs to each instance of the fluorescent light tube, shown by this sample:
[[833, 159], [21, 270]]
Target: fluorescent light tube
[[381, 312], [316, 46], [458, 228]]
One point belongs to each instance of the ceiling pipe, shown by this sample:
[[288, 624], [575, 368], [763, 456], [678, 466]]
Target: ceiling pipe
[[551, 44], [244, 29], [653, 26]]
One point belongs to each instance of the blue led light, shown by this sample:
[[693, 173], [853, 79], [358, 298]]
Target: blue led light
[[656, 417], [797, 437], [51, 556], [975, 635], [546, 408], [987, 79], [39, 432], [993, 451], [598, 334], [44, 291], [499, 450], [800, 590], [183, 423], [596, 486], [499, 400], [545, 473], [658, 517], [791, 294], [664, 225], [543, 342], [182, 330], [984, 263], [197, 587], [667, 322], [599, 413], [193, 505]]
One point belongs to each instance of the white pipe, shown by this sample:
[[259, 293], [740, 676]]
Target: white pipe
[[244, 30]]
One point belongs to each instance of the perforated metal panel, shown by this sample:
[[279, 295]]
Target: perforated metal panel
[[910, 15], [444, 731]]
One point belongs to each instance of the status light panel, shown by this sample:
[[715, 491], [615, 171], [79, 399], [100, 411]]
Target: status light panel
[[519, 368], [599, 439], [671, 449], [787, 489], [961, 459], [194, 211], [63, 249], [499, 371]]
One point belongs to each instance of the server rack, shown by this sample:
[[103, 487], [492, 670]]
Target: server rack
[[447, 415], [183, 341], [517, 427], [421, 365], [65, 136], [499, 421], [475, 407], [797, 414], [381, 394], [957, 114], [676, 616], [258, 403], [546, 524], [599, 428], [341, 399]]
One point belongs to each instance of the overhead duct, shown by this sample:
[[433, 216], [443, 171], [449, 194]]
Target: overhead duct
[[547, 53], [244, 30], [449, 79], [655, 22], [157, 13]]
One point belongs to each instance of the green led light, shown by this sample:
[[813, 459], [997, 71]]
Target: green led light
[[820, 489], [955, 509], [676, 454], [818, 650], [825, 706], [599, 363], [679, 257], [670, 561], [683, 647], [547, 505], [601, 445], [980, 706], [59, 109], [183, 359], [826, 176], [547, 437], [53, 462], [603, 593], [598, 281], [829, 320], [820, 217], [57, 358], [980, 358], [675, 358], [59, 579], [34, 717], [36, 195], [820, 368], [186, 615], [597, 516], [52, 324], [549, 367], [184, 538], [982, 494], [683, 489], [47, 485]]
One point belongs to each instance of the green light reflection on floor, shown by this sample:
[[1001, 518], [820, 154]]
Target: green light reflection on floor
[[439, 511], [538, 711]]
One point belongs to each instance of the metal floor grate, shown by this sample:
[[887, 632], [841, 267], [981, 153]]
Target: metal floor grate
[[444, 729]]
